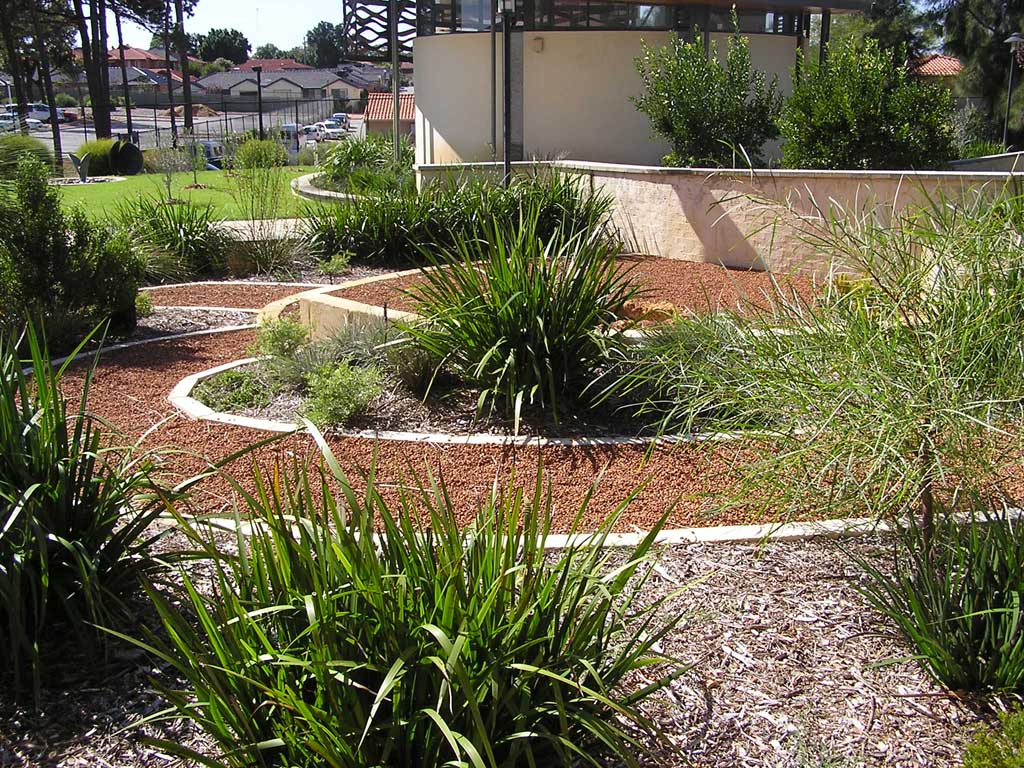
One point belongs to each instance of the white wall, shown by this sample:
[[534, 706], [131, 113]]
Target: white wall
[[576, 94]]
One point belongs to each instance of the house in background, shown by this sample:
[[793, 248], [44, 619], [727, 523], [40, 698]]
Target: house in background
[[380, 110], [936, 68], [290, 85], [573, 72], [272, 65]]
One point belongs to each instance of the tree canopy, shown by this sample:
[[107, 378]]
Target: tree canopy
[[224, 44], [326, 45]]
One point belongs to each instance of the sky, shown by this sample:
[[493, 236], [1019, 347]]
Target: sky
[[281, 22]]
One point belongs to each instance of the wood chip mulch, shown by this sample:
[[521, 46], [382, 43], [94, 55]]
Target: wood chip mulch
[[690, 286], [790, 669]]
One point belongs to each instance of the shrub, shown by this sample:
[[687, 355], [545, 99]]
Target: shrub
[[305, 157], [520, 314], [73, 544], [328, 641], [338, 264], [711, 113], [65, 100], [280, 338], [397, 229], [367, 166], [179, 240], [337, 392], [955, 596], [233, 390], [999, 748], [862, 110], [68, 272], [98, 151], [143, 304], [16, 146], [260, 153]]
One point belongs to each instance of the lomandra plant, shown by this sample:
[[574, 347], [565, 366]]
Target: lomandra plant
[[522, 315], [349, 631], [178, 241], [73, 522]]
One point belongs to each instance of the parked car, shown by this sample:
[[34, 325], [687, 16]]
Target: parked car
[[341, 118], [9, 122], [307, 130], [328, 130]]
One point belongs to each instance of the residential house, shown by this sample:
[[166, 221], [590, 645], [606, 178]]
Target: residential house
[[573, 71], [936, 68], [272, 65], [380, 110], [291, 85]]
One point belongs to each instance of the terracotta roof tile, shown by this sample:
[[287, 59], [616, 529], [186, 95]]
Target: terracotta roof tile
[[936, 65], [379, 106]]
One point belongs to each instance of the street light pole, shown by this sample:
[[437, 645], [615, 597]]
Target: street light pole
[[1014, 42], [508, 13], [259, 95]]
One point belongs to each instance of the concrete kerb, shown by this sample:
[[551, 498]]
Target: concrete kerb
[[303, 186]]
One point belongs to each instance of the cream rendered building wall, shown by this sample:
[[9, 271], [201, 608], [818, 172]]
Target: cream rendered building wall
[[576, 94]]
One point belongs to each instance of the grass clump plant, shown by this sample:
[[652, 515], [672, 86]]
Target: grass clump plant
[[424, 643], [74, 541], [366, 166], [178, 240], [98, 151], [14, 146], [521, 313]]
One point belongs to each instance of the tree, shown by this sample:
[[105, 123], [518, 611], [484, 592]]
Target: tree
[[269, 51], [974, 30], [862, 110], [224, 44], [709, 111], [326, 45]]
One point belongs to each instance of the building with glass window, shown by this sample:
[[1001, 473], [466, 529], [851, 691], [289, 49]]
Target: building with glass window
[[573, 72]]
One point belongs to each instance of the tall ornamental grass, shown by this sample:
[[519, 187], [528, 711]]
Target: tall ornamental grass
[[73, 523], [352, 631], [521, 314]]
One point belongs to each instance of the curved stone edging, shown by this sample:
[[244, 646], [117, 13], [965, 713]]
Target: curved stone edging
[[302, 186], [181, 398]]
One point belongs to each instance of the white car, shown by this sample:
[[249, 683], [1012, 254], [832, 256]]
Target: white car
[[328, 130], [9, 122]]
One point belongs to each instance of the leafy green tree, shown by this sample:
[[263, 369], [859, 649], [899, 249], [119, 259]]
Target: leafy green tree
[[269, 51], [326, 45], [711, 112], [861, 109], [224, 44]]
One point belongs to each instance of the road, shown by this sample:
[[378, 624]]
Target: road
[[155, 129]]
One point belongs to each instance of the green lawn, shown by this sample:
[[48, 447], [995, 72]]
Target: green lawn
[[101, 200]]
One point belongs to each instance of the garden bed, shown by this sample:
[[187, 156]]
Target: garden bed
[[692, 287], [790, 673]]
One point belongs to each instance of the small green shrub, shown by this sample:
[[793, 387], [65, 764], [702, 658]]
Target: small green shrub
[[709, 111], [337, 392], [336, 265], [305, 157], [367, 167], [257, 153], [68, 272], [179, 240], [74, 541], [1002, 747], [520, 313], [233, 390], [65, 100], [280, 338], [423, 643], [143, 304], [16, 146], [98, 151], [862, 110]]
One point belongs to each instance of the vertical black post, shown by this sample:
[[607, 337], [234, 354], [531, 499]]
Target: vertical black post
[[396, 77], [259, 95], [1009, 95], [494, 81], [826, 35], [506, 109]]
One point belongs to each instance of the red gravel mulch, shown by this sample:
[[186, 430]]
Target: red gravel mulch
[[690, 286], [236, 295]]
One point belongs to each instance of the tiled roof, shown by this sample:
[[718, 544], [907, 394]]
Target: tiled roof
[[272, 65], [303, 78], [936, 65], [379, 106], [134, 54]]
